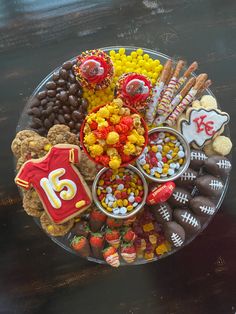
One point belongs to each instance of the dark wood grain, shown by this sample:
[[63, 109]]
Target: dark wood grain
[[37, 276]]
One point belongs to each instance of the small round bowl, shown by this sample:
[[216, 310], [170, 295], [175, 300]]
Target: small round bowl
[[132, 110], [183, 167], [128, 214]]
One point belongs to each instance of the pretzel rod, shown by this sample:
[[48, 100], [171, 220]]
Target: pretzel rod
[[150, 113], [193, 67], [163, 107], [173, 117], [175, 101], [201, 91]]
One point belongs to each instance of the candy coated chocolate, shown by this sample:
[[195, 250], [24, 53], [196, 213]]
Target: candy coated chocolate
[[187, 179], [218, 166], [197, 159], [187, 220], [209, 186], [162, 212], [161, 193], [174, 233], [180, 197], [202, 206]]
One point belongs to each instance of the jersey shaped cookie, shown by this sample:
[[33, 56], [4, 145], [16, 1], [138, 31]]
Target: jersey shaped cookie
[[59, 184], [202, 125]]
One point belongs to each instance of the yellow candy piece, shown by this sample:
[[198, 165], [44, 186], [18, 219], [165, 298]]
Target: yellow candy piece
[[181, 161], [104, 204], [50, 228], [103, 112], [157, 175], [114, 204], [112, 152], [125, 202], [154, 149], [109, 209], [163, 248], [172, 138], [119, 203], [115, 119], [98, 192], [101, 182], [122, 51], [146, 167], [166, 148], [112, 138], [136, 193], [129, 208], [148, 227]]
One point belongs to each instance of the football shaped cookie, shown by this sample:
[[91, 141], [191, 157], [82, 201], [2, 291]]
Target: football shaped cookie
[[209, 185], [174, 233], [180, 197], [187, 220], [187, 179], [218, 166], [202, 206], [197, 158], [162, 212]]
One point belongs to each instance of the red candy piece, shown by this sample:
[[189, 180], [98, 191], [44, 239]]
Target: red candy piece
[[164, 159], [124, 194], [161, 193], [138, 199]]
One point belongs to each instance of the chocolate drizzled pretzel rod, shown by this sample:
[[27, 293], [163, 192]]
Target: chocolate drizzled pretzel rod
[[193, 67], [201, 91], [176, 100], [173, 117], [151, 111], [163, 107]]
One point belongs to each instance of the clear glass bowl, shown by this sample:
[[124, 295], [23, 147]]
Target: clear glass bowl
[[64, 241]]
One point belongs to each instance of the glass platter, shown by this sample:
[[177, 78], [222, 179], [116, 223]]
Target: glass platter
[[64, 240]]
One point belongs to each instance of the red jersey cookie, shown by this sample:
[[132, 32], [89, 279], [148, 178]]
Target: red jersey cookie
[[58, 182]]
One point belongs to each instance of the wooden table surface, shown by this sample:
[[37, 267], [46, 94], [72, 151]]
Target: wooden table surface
[[36, 275]]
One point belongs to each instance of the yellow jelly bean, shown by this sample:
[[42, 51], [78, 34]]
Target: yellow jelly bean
[[125, 202], [129, 208], [154, 149], [172, 138]]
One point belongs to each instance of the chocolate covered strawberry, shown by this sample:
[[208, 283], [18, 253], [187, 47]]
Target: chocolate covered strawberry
[[81, 228], [129, 235], [97, 244], [114, 223], [111, 256], [96, 219], [81, 245], [112, 236], [128, 252]]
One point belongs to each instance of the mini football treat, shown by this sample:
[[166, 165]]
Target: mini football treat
[[202, 125], [62, 198], [134, 89], [162, 212], [197, 159], [174, 233], [180, 197], [187, 220], [209, 186], [218, 166], [222, 145], [202, 206], [94, 69], [187, 179], [86, 126]]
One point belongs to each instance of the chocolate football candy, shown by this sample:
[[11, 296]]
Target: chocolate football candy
[[197, 158], [218, 166], [180, 197], [202, 206], [187, 220], [187, 179], [162, 212], [209, 185], [174, 233]]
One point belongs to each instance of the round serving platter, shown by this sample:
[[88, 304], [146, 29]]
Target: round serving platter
[[64, 240]]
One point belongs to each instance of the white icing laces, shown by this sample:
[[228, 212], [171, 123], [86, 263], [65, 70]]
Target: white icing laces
[[164, 212], [177, 241], [189, 219], [224, 164]]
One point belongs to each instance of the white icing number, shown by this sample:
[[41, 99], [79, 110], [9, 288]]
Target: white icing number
[[52, 184]]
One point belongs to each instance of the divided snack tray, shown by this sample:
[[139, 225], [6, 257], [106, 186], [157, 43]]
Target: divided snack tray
[[64, 240]]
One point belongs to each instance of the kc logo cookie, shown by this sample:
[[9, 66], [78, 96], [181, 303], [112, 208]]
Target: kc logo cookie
[[59, 184]]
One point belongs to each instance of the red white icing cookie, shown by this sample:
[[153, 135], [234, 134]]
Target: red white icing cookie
[[59, 184], [202, 125]]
